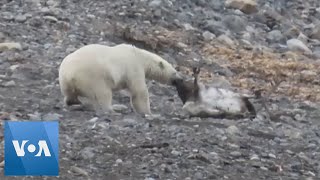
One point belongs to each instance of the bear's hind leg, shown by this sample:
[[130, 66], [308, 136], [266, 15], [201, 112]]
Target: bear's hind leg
[[140, 99]]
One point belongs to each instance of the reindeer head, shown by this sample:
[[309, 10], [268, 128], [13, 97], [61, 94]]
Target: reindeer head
[[188, 90]]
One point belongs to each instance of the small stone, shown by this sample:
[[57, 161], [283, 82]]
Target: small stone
[[315, 34], [9, 84], [87, 153], [236, 154], [8, 16], [308, 73], [275, 36], [52, 116], [188, 27], [79, 171], [10, 45], [2, 164], [246, 6], [272, 156], [215, 27], [175, 153], [119, 161], [119, 108], [91, 16], [196, 126], [226, 40], [35, 116], [52, 3], [297, 45], [292, 33], [50, 18], [182, 45], [155, 3], [232, 130], [208, 36], [303, 38], [254, 157], [149, 178], [198, 175], [152, 116], [2, 37], [235, 23], [20, 18]]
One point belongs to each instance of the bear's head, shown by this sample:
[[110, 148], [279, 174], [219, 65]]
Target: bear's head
[[166, 73]]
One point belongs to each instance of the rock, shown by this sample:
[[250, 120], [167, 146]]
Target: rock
[[308, 74], [52, 116], [2, 37], [175, 153], [21, 18], [293, 133], [157, 13], [272, 156], [303, 38], [216, 5], [149, 178], [198, 175], [235, 23], [232, 130], [275, 36], [51, 18], [246, 6], [292, 33], [119, 108], [315, 34], [215, 27], [236, 154], [8, 16], [35, 116], [226, 40], [79, 171], [188, 27], [119, 161], [297, 45], [9, 84], [254, 157], [52, 3], [87, 153], [9, 46], [155, 3], [208, 36]]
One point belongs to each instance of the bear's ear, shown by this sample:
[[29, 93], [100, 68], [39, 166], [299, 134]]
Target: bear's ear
[[161, 65]]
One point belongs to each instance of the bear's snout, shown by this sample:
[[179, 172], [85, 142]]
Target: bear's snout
[[176, 82], [177, 79]]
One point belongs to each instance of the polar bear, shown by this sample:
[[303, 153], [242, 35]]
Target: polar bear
[[95, 71]]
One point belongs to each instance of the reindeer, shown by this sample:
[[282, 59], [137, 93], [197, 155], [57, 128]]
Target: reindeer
[[204, 101]]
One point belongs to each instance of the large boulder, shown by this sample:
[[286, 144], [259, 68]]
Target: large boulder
[[246, 6]]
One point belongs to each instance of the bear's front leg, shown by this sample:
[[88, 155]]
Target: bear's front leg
[[140, 99]]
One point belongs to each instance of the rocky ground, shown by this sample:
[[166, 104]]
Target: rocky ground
[[272, 46]]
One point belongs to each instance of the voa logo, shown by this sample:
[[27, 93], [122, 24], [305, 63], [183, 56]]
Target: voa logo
[[42, 144], [31, 148]]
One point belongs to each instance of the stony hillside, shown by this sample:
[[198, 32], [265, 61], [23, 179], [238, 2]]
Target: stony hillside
[[267, 46]]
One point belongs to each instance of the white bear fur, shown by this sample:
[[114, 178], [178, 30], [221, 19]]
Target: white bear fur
[[95, 71]]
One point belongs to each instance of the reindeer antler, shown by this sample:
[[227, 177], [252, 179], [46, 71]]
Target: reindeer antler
[[196, 71]]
